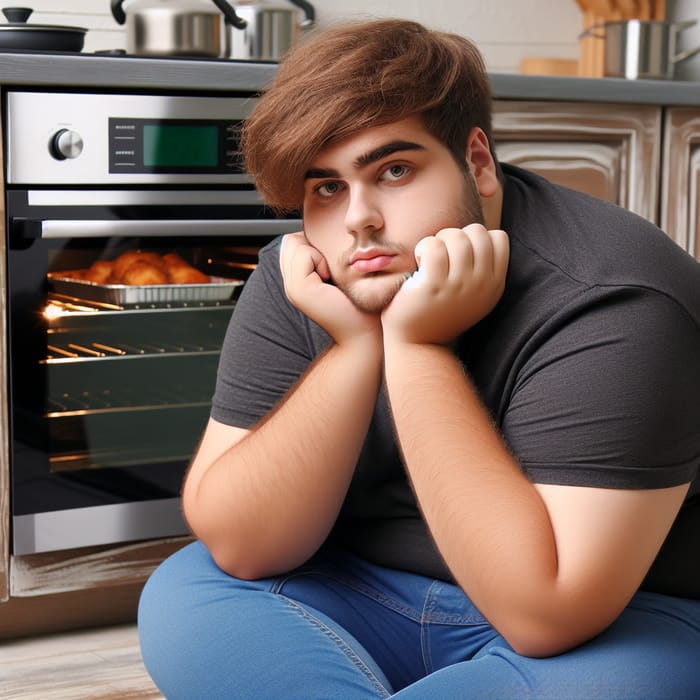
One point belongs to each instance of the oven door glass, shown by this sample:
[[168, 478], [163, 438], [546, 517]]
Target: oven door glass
[[111, 380]]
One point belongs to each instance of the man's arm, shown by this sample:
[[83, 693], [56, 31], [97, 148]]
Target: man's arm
[[264, 500], [266, 503], [549, 566]]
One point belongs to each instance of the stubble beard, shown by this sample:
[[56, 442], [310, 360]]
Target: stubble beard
[[374, 300]]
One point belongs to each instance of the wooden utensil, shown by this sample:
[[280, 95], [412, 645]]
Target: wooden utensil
[[630, 9], [658, 10]]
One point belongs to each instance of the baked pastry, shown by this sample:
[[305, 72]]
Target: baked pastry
[[142, 273], [122, 263], [99, 272], [82, 275], [141, 268], [181, 272]]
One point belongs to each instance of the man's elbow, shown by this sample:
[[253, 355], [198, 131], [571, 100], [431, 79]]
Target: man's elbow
[[537, 639], [236, 554], [236, 564], [234, 558]]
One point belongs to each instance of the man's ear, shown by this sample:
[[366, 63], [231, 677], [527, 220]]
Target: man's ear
[[481, 163]]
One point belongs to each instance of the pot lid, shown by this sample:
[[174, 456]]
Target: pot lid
[[17, 20]]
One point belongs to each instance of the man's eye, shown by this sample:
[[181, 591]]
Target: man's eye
[[328, 189], [395, 172]]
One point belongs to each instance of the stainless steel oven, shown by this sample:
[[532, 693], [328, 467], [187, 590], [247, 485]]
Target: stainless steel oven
[[110, 378]]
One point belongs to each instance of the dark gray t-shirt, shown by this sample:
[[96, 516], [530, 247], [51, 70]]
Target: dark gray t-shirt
[[589, 365]]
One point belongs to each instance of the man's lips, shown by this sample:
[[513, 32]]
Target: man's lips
[[371, 260]]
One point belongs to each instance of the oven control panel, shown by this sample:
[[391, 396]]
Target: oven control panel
[[79, 138]]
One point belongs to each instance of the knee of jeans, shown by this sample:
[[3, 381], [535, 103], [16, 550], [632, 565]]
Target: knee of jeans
[[186, 585], [178, 584], [183, 599], [160, 601]]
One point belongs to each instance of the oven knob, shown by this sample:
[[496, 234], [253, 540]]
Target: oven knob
[[66, 144]]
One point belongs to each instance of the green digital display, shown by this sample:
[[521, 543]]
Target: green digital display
[[180, 146]]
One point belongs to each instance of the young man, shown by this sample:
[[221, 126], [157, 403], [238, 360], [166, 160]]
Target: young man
[[444, 461]]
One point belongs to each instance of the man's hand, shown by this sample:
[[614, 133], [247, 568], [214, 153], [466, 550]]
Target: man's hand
[[305, 273], [460, 278]]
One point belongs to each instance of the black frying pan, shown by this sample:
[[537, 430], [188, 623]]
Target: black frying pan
[[17, 34]]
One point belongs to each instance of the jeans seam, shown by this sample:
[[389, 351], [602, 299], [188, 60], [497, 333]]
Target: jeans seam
[[426, 652], [367, 591], [344, 647]]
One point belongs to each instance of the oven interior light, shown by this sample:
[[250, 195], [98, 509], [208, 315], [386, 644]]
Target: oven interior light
[[52, 311]]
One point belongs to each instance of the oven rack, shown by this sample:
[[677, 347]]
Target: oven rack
[[96, 459], [118, 400], [69, 352], [72, 305]]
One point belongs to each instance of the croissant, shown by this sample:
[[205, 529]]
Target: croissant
[[141, 268]]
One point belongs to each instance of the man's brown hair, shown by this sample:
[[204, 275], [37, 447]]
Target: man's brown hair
[[355, 76]]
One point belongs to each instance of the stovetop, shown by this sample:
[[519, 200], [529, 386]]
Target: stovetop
[[114, 68]]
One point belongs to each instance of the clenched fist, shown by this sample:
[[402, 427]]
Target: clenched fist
[[460, 278], [306, 279]]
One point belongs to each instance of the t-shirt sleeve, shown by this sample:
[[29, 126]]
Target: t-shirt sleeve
[[610, 398], [267, 347]]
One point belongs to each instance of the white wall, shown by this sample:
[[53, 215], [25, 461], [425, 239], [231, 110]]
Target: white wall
[[505, 30]]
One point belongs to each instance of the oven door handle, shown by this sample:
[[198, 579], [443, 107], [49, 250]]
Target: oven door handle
[[126, 228]]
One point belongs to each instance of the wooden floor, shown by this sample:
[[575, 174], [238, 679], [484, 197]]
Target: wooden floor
[[102, 664]]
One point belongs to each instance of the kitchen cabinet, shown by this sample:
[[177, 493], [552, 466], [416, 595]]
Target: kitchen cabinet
[[78, 588], [680, 186], [611, 152]]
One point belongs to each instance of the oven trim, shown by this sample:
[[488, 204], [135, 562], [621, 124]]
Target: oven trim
[[97, 525]]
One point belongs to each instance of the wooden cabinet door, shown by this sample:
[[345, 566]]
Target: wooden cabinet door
[[611, 151], [680, 187]]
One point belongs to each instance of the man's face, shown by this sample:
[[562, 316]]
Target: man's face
[[370, 198]]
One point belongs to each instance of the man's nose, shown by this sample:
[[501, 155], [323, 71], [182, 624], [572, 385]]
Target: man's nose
[[363, 213]]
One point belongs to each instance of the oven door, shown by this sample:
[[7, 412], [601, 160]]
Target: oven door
[[110, 383]]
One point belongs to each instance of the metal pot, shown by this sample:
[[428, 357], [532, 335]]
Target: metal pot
[[176, 27], [642, 48], [271, 28], [17, 34]]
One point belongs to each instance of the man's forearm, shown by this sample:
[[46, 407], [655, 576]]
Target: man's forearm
[[487, 520], [268, 503]]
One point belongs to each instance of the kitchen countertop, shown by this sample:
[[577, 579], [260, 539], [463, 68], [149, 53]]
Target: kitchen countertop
[[104, 71]]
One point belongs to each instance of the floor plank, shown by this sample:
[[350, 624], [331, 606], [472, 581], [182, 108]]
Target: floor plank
[[101, 664]]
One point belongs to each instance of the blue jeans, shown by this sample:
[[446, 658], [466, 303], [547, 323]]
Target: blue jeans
[[342, 628]]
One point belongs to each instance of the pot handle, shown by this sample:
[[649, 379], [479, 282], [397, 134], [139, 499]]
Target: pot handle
[[230, 14], [309, 12], [679, 26], [685, 54], [590, 32], [118, 11], [17, 14]]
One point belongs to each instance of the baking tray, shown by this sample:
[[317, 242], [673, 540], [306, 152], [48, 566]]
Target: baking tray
[[217, 290]]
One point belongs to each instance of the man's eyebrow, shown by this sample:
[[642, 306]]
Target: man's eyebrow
[[366, 159], [386, 150]]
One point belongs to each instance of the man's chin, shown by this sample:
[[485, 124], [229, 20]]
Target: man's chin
[[372, 295]]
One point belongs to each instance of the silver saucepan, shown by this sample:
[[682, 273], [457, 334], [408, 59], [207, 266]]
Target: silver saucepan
[[272, 27], [176, 27], [641, 48]]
